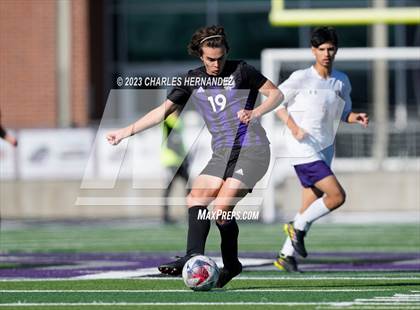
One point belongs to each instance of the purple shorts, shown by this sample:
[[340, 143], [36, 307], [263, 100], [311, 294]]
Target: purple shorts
[[313, 172]]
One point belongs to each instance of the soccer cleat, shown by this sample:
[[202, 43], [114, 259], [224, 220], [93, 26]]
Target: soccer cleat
[[286, 263], [175, 268], [226, 275], [296, 236]]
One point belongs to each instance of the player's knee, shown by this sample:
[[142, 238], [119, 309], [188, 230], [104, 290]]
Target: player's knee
[[336, 199], [199, 197], [192, 199], [340, 198]]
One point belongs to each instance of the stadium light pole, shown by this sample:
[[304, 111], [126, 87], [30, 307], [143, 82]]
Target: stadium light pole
[[63, 56], [380, 91]]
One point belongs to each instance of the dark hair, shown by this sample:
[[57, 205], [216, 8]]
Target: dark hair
[[321, 35], [199, 40]]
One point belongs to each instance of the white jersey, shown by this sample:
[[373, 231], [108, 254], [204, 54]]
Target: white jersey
[[316, 105]]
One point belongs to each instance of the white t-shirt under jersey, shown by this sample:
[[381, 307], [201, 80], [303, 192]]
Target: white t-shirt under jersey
[[317, 105]]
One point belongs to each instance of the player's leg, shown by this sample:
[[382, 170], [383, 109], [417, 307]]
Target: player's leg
[[205, 189], [309, 174], [245, 169], [230, 194], [286, 260], [333, 198], [309, 195]]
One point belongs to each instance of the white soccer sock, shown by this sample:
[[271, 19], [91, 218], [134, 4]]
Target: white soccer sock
[[287, 249], [315, 211]]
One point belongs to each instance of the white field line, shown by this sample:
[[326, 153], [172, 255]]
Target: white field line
[[394, 300], [325, 278], [189, 291], [397, 299], [119, 274], [142, 272], [337, 304], [297, 278], [153, 270], [372, 307], [416, 299]]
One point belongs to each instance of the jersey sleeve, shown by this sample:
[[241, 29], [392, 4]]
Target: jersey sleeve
[[347, 99], [254, 77], [180, 94], [290, 89]]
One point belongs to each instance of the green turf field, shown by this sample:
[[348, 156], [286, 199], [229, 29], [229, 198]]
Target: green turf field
[[252, 237], [377, 280], [253, 291]]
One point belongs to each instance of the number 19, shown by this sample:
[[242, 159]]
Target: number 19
[[218, 101]]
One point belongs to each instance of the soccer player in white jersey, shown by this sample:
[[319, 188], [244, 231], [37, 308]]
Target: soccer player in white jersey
[[315, 98]]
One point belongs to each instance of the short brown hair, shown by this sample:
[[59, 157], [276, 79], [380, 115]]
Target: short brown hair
[[204, 37]]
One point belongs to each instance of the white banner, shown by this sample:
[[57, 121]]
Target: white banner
[[54, 153]]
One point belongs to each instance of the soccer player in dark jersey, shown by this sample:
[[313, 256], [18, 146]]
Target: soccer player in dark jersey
[[241, 151]]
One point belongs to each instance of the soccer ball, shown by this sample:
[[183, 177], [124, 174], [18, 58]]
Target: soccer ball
[[200, 273]]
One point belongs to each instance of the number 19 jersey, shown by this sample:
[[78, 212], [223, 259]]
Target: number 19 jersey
[[218, 99]]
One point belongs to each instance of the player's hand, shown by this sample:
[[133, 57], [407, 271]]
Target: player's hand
[[11, 139], [115, 137], [362, 119], [299, 134], [246, 116]]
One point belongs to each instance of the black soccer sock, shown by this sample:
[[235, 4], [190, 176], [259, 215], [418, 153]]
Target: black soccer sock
[[229, 232], [198, 229]]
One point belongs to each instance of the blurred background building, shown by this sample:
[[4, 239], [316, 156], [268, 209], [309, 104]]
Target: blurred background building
[[60, 59]]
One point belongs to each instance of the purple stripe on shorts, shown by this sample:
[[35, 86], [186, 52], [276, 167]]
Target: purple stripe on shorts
[[313, 172]]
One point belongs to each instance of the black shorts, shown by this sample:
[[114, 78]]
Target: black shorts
[[246, 164]]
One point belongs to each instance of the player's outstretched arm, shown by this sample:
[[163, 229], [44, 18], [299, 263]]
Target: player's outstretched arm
[[154, 117], [296, 131], [359, 118], [274, 98]]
